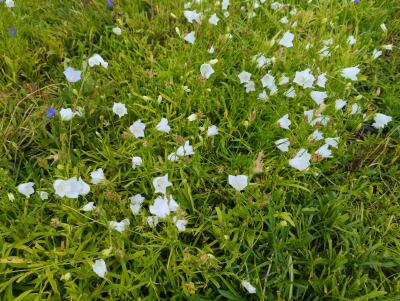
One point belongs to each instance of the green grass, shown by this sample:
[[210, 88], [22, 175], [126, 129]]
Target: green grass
[[328, 233]]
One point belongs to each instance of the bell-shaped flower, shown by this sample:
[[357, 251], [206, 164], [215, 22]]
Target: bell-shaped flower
[[192, 15], [239, 182], [304, 78], [120, 109], [284, 122], [324, 151], [244, 77], [206, 70], [301, 161], [190, 37], [119, 226], [318, 96], [339, 104], [381, 120], [99, 267], [350, 73], [97, 176], [88, 207], [250, 289], [136, 203], [26, 189], [136, 161], [212, 131], [137, 129], [163, 126], [161, 183], [213, 19], [283, 144], [97, 60], [287, 40], [72, 75]]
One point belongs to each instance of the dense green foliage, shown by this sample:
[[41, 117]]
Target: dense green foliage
[[329, 233]]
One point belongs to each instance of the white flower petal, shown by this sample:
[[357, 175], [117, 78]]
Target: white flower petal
[[161, 183], [238, 182], [137, 128], [26, 189], [100, 268], [301, 161], [287, 39]]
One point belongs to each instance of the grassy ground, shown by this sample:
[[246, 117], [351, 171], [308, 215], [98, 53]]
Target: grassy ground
[[328, 233]]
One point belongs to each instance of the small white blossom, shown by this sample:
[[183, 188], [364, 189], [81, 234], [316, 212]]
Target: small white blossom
[[316, 136], [291, 93], [350, 73], [304, 78], [318, 96], [283, 144], [117, 31], [351, 40], [119, 226], [284, 122], [192, 15], [238, 182], [136, 203], [190, 37], [26, 189], [381, 120], [180, 224], [136, 161], [119, 109], [66, 114], [321, 80], [301, 161], [71, 188], [283, 80], [100, 268], [97, 60], [213, 19], [163, 126], [152, 221], [137, 128], [324, 151], [250, 289], [250, 86], [308, 115], [355, 109], [161, 183], [269, 81], [88, 207], [72, 75], [287, 40], [263, 95], [97, 176], [212, 131], [339, 104], [376, 53], [185, 150], [332, 141], [10, 3], [206, 70], [43, 195], [244, 77]]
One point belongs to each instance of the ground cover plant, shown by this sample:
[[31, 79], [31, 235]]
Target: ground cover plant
[[199, 150]]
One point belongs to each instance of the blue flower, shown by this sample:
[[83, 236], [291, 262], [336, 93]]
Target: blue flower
[[50, 112], [109, 3], [12, 31]]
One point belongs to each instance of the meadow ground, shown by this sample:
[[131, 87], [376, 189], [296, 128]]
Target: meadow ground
[[315, 224]]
